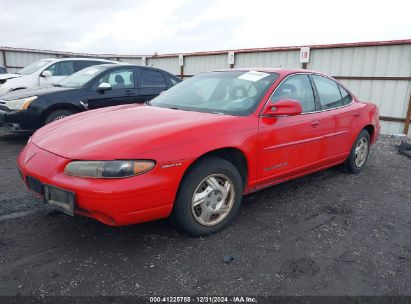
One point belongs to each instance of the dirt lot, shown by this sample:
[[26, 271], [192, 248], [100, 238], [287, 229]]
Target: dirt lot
[[325, 234]]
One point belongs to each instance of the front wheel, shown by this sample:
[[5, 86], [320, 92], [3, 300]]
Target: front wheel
[[359, 153], [57, 115], [209, 197]]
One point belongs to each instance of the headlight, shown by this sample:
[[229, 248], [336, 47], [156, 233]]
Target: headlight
[[109, 169], [19, 104]]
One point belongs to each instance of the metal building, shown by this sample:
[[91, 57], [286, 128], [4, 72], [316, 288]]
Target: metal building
[[374, 71]]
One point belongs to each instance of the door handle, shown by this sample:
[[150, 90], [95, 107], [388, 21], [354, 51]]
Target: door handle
[[129, 92], [315, 123], [357, 114]]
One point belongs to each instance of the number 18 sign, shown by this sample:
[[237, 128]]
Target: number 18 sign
[[304, 54]]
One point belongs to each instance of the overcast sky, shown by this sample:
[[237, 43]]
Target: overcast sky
[[145, 27]]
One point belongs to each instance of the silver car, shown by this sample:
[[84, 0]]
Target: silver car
[[45, 72]]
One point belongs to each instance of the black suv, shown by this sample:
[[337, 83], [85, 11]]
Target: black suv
[[94, 87]]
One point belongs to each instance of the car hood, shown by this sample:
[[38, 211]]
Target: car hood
[[33, 92], [9, 76], [125, 132]]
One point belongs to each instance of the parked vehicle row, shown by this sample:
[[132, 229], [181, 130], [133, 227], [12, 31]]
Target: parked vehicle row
[[91, 88], [45, 72], [193, 151]]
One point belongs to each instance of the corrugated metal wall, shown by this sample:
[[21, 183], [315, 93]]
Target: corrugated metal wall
[[169, 64], [377, 72], [281, 59], [385, 60], [15, 60]]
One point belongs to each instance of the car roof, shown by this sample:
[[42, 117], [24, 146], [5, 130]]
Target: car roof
[[281, 71], [80, 59], [115, 65]]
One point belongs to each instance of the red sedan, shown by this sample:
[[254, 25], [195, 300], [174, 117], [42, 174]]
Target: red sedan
[[192, 152]]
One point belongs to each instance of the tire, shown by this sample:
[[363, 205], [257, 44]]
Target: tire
[[217, 202], [56, 115], [355, 162]]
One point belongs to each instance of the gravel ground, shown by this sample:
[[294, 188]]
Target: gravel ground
[[325, 234]]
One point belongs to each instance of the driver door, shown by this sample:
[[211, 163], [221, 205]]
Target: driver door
[[290, 145], [123, 89], [59, 71]]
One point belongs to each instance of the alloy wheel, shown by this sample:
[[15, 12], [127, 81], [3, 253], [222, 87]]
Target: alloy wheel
[[213, 199], [59, 117], [361, 152]]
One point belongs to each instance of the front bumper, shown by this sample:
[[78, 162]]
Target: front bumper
[[112, 201], [18, 121]]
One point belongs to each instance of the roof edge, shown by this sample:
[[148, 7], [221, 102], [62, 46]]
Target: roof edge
[[74, 54], [291, 48], [217, 52]]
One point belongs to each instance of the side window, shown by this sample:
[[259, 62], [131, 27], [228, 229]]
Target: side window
[[297, 87], [328, 92], [118, 79], [152, 79], [62, 68], [346, 97]]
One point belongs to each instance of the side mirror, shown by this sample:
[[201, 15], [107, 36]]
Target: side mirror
[[286, 107], [104, 86], [46, 74]]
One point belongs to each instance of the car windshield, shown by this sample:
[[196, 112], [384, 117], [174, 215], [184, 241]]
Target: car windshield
[[82, 77], [34, 66], [226, 92]]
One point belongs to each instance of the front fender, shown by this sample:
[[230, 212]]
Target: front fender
[[244, 141]]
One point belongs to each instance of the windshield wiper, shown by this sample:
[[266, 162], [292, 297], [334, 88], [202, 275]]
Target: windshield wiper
[[177, 108], [148, 102]]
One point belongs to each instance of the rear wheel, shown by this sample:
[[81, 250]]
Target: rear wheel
[[359, 153], [57, 115], [209, 197]]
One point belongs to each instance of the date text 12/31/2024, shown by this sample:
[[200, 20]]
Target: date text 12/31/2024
[[200, 299]]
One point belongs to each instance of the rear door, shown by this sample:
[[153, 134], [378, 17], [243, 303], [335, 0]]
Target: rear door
[[289, 145], [337, 117], [152, 83], [347, 121], [124, 89]]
